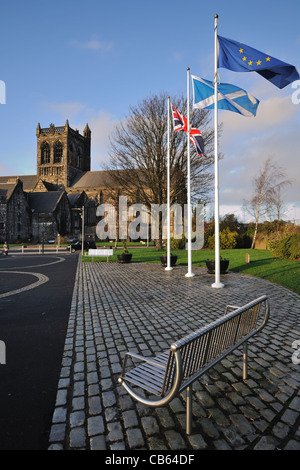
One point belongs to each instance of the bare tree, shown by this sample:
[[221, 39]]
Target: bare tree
[[138, 154], [268, 182]]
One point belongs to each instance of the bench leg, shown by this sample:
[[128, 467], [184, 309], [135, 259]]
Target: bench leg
[[245, 360], [189, 413]]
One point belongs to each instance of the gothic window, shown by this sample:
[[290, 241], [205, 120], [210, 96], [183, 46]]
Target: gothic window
[[79, 159], [45, 153], [58, 152], [71, 154]]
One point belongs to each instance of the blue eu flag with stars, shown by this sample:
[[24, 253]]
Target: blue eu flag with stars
[[239, 57]]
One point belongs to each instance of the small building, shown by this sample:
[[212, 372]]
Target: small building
[[50, 215], [14, 212]]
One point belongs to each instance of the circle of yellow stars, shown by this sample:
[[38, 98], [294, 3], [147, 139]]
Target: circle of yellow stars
[[250, 62]]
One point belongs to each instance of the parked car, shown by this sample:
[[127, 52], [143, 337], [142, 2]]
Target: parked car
[[77, 246]]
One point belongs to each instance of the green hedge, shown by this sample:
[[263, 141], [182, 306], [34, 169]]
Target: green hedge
[[228, 240], [285, 244]]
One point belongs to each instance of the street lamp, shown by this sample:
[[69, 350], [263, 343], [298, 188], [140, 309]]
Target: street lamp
[[81, 210]]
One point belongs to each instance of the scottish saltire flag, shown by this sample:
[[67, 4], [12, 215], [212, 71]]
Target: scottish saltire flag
[[239, 57], [230, 97], [180, 123]]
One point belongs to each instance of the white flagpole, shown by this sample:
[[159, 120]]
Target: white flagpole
[[217, 282], [168, 268], [189, 273]]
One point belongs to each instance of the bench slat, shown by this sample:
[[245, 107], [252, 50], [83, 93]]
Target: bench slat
[[148, 375], [147, 378]]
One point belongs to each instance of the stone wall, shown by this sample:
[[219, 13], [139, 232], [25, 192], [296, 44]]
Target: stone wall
[[15, 217]]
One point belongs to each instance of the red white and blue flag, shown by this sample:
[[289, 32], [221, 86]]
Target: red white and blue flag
[[178, 120], [180, 123]]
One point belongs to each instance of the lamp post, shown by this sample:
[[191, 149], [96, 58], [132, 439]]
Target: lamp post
[[81, 210], [82, 230]]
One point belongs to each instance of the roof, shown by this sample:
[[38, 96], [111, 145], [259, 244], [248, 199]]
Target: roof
[[6, 190], [93, 179], [74, 198], [29, 181], [45, 201]]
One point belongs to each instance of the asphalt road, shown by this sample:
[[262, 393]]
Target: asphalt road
[[34, 312]]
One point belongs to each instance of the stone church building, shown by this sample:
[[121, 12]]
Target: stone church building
[[43, 206]]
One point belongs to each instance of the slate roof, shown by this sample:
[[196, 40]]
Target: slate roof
[[29, 181], [74, 198], [93, 179], [45, 201], [6, 190]]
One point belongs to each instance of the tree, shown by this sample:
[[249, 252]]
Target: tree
[[277, 205], [268, 182], [138, 154]]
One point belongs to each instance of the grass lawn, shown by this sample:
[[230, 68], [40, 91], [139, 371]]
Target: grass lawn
[[262, 263]]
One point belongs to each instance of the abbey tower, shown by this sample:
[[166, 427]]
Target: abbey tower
[[63, 154]]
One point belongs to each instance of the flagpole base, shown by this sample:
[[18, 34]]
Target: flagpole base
[[217, 285], [189, 275], [168, 268]]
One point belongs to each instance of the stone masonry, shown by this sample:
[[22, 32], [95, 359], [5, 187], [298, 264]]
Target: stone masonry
[[143, 308]]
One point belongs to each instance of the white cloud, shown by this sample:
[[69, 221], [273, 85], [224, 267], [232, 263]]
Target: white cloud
[[248, 142], [94, 44], [101, 124]]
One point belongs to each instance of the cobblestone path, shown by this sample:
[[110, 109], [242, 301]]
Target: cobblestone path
[[143, 308]]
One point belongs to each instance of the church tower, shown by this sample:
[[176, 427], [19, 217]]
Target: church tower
[[63, 154]]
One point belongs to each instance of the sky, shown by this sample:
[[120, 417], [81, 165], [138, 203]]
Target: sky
[[88, 62]]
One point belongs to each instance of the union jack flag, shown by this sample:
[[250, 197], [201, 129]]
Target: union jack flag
[[179, 121], [180, 124]]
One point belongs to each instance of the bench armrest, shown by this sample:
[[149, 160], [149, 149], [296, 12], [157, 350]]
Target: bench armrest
[[234, 307]]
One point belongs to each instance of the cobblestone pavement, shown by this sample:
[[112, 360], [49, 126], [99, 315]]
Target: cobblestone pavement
[[142, 307]]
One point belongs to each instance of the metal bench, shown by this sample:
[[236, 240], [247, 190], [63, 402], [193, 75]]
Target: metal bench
[[100, 252], [175, 370]]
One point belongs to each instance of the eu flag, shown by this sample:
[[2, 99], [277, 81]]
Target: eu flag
[[239, 57]]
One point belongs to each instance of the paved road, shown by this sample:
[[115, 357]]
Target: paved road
[[35, 297]]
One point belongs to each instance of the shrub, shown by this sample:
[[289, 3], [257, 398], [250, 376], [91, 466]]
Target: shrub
[[244, 241], [285, 244], [228, 240], [295, 246], [177, 243]]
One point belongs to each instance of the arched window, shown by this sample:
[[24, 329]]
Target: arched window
[[58, 152], [45, 153], [71, 154], [79, 159]]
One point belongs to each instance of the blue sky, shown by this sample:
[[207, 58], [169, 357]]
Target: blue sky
[[90, 61]]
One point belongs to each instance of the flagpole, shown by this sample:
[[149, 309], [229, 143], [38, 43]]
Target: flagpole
[[189, 273], [168, 268], [217, 283]]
